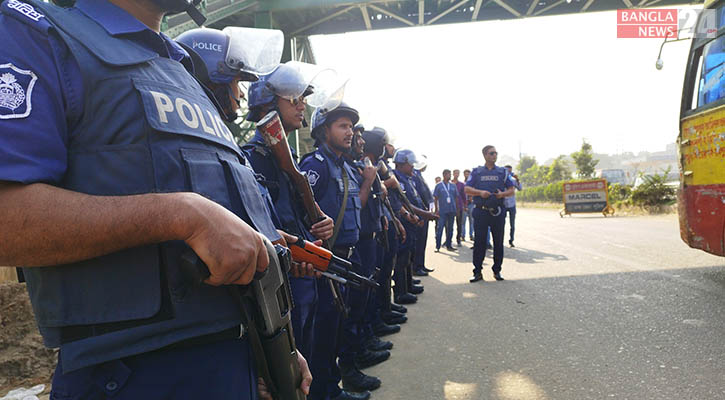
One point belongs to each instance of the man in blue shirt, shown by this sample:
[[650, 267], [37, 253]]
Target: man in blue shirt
[[488, 185], [113, 163], [445, 194], [509, 203]]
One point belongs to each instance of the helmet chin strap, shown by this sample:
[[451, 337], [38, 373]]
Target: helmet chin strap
[[195, 14]]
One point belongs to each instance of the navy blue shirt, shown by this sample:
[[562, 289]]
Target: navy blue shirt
[[491, 180], [446, 194], [34, 136]]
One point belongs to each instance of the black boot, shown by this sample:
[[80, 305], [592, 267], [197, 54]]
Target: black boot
[[393, 317], [398, 308], [356, 381], [345, 395], [376, 344], [369, 358], [383, 329]]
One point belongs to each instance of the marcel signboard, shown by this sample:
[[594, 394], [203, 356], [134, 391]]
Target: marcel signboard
[[586, 197]]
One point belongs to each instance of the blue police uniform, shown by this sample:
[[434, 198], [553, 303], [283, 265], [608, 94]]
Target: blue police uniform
[[291, 216], [403, 277], [388, 255], [325, 173], [109, 110], [357, 327], [446, 193], [426, 198], [488, 213]]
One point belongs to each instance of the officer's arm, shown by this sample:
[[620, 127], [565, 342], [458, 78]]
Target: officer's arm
[[436, 203], [476, 192], [368, 175], [45, 225]]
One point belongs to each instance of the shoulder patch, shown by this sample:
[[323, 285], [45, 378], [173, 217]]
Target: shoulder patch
[[312, 177], [25, 9], [16, 90], [319, 157]]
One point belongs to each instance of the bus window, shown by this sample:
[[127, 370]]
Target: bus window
[[712, 80]]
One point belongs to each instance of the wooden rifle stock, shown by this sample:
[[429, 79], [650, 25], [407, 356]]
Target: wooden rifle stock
[[274, 135], [385, 174], [378, 187]]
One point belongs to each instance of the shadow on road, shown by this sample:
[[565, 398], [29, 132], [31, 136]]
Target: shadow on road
[[519, 254]]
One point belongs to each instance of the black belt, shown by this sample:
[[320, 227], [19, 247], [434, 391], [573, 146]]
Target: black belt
[[343, 251], [235, 332], [368, 236]]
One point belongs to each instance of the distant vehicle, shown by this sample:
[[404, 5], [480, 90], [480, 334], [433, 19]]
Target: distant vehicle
[[673, 179], [701, 198], [614, 176]]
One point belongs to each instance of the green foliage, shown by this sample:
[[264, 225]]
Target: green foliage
[[584, 160], [654, 191], [558, 170], [552, 192], [535, 175], [525, 163], [619, 192]]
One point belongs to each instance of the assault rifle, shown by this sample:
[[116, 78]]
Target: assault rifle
[[266, 304]]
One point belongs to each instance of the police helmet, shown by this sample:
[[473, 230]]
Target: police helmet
[[375, 141], [285, 81], [358, 128], [405, 156], [322, 115]]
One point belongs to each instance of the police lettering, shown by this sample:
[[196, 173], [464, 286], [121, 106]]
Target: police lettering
[[191, 115], [207, 46], [489, 178]]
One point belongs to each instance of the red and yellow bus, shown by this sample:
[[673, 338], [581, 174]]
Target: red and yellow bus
[[701, 140]]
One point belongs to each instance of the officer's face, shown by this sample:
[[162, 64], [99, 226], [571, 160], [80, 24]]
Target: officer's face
[[389, 150], [491, 155], [359, 145], [339, 134], [292, 113], [237, 94]]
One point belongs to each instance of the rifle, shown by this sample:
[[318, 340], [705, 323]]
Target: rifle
[[271, 303], [378, 188], [384, 174], [332, 266], [270, 126]]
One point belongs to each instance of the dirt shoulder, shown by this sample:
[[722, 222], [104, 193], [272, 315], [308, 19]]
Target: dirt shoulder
[[24, 361]]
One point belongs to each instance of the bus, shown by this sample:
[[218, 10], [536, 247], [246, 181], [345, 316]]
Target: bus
[[701, 140]]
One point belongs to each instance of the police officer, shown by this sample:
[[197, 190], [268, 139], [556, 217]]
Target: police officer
[[419, 268], [488, 185], [404, 160], [383, 315], [338, 191], [372, 224], [136, 167]]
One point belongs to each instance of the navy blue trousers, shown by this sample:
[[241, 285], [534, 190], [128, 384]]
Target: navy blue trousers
[[356, 327], [222, 370], [322, 360], [445, 221], [483, 220], [387, 262], [304, 297], [421, 240]]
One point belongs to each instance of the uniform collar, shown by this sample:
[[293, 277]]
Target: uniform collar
[[338, 160], [117, 21]]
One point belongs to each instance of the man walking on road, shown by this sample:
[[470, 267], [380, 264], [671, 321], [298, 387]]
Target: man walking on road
[[488, 184], [460, 204]]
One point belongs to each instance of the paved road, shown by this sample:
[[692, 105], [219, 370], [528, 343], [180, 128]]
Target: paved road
[[591, 308]]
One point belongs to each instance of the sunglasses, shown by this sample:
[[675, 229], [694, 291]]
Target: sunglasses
[[298, 101], [492, 153]]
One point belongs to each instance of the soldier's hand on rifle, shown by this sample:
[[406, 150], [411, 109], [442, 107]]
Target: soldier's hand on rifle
[[384, 191], [230, 248], [369, 173], [385, 222], [304, 386], [401, 229], [499, 194], [323, 229], [300, 269], [484, 193]]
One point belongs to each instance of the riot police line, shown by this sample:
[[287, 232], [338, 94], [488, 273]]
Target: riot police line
[[163, 260]]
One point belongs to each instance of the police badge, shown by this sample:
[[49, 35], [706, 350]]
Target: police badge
[[16, 88]]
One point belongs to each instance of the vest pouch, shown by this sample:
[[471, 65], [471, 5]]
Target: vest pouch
[[247, 193], [132, 289], [351, 220]]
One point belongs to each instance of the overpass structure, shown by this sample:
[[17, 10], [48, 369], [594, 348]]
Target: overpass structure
[[299, 19]]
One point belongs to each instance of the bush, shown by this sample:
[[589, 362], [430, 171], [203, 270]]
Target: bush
[[544, 193], [619, 193], [653, 192]]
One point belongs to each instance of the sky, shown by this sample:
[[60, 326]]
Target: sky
[[536, 85]]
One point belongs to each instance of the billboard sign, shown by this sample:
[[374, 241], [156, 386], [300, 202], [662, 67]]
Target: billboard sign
[[586, 197]]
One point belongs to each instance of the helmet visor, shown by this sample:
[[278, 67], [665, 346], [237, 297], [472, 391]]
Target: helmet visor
[[318, 79], [257, 51]]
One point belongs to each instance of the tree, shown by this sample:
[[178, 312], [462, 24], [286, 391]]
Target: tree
[[558, 170], [534, 176], [584, 160], [525, 163]]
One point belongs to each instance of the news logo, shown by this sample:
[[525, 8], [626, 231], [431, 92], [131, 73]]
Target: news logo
[[652, 23]]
